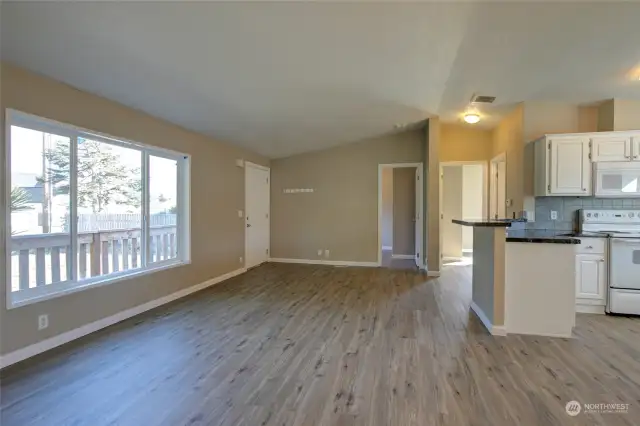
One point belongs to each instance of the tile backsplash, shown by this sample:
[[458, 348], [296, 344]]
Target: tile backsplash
[[568, 206]]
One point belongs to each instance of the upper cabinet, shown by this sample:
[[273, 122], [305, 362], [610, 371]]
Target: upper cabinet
[[635, 147], [562, 166], [611, 148], [563, 163]]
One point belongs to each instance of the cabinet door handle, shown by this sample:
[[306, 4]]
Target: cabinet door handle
[[602, 260], [589, 247]]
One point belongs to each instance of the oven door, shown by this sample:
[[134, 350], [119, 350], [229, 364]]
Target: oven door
[[624, 264], [617, 179]]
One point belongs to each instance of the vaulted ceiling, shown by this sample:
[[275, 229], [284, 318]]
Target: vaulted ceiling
[[285, 78]]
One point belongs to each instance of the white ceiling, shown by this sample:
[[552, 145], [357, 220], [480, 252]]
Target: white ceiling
[[285, 78]]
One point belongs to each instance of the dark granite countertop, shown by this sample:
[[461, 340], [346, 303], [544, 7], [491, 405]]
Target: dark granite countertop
[[583, 234], [540, 236], [487, 222]]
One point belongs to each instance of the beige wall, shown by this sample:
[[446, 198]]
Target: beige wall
[[342, 214], [606, 116], [387, 207], [432, 191], [550, 117], [508, 138], [626, 115], [464, 143], [217, 192], [588, 119], [404, 209]]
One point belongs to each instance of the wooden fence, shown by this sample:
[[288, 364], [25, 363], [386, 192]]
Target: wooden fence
[[46, 258]]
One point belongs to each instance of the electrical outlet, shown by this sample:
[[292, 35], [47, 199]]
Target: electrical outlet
[[43, 322], [554, 215], [241, 259], [326, 253], [319, 252]]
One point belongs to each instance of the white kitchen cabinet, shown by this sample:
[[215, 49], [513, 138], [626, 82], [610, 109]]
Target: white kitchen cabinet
[[635, 147], [562, 166], [612, 148], [591, 283]]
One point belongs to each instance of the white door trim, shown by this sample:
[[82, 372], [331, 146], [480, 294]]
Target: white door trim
[[493, 189], [396, 166], [244, 219], [257, 166], [485, 190]]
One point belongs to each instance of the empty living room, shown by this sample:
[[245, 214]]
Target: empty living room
[[319, 213]]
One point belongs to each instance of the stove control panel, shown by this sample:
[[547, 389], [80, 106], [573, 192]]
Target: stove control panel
[[610, 216]]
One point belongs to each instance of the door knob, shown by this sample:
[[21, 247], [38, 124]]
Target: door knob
[[248, 225]]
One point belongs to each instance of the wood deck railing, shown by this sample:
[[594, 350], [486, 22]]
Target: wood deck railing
[[45, 258]]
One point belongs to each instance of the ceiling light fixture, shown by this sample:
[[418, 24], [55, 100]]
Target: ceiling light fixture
[[471, 117]]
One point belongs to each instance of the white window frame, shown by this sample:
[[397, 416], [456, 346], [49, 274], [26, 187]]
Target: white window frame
[[183, 204]]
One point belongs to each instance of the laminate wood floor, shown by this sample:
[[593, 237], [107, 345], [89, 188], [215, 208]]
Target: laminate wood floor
[[317, 345]]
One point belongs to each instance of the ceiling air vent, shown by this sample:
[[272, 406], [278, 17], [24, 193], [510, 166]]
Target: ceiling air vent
[[480, 99]]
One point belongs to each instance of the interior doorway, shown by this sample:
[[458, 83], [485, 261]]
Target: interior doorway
[[257, 221], [498, 187], [400, 223], [463, 189]]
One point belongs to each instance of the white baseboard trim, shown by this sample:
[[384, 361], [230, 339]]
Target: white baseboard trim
[[387, 248], [499, 330], [529, 333], [402, 256], [433, 273], [590, 309], [61, 339], [325, 262]]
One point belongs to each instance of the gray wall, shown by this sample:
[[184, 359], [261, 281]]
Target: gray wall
[[567, 207], [341, 215]]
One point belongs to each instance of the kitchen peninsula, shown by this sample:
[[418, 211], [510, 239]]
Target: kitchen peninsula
[[523, 280]]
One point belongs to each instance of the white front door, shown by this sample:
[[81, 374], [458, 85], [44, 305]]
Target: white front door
[[257, 222]]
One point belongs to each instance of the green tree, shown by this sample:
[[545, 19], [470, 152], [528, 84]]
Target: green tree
[[19, 200], [102, 178]]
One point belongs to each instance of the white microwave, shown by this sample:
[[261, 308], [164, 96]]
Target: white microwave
[[617, 179]]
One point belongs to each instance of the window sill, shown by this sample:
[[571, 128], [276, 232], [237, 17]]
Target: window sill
[[16, 299]]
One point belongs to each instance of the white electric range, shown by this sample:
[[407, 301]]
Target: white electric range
[[622, 227]]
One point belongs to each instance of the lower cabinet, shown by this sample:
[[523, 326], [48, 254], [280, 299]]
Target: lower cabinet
[[591, 282]]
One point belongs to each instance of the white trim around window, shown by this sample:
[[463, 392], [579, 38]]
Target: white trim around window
[[160, 247]]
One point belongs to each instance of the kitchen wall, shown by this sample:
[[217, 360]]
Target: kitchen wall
[[568, 206], [217, 193], [508, 138], [341, 215], [404, 210], [626, 115], [463, 142]]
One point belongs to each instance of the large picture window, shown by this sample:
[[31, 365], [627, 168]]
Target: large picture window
[[86, 209]]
